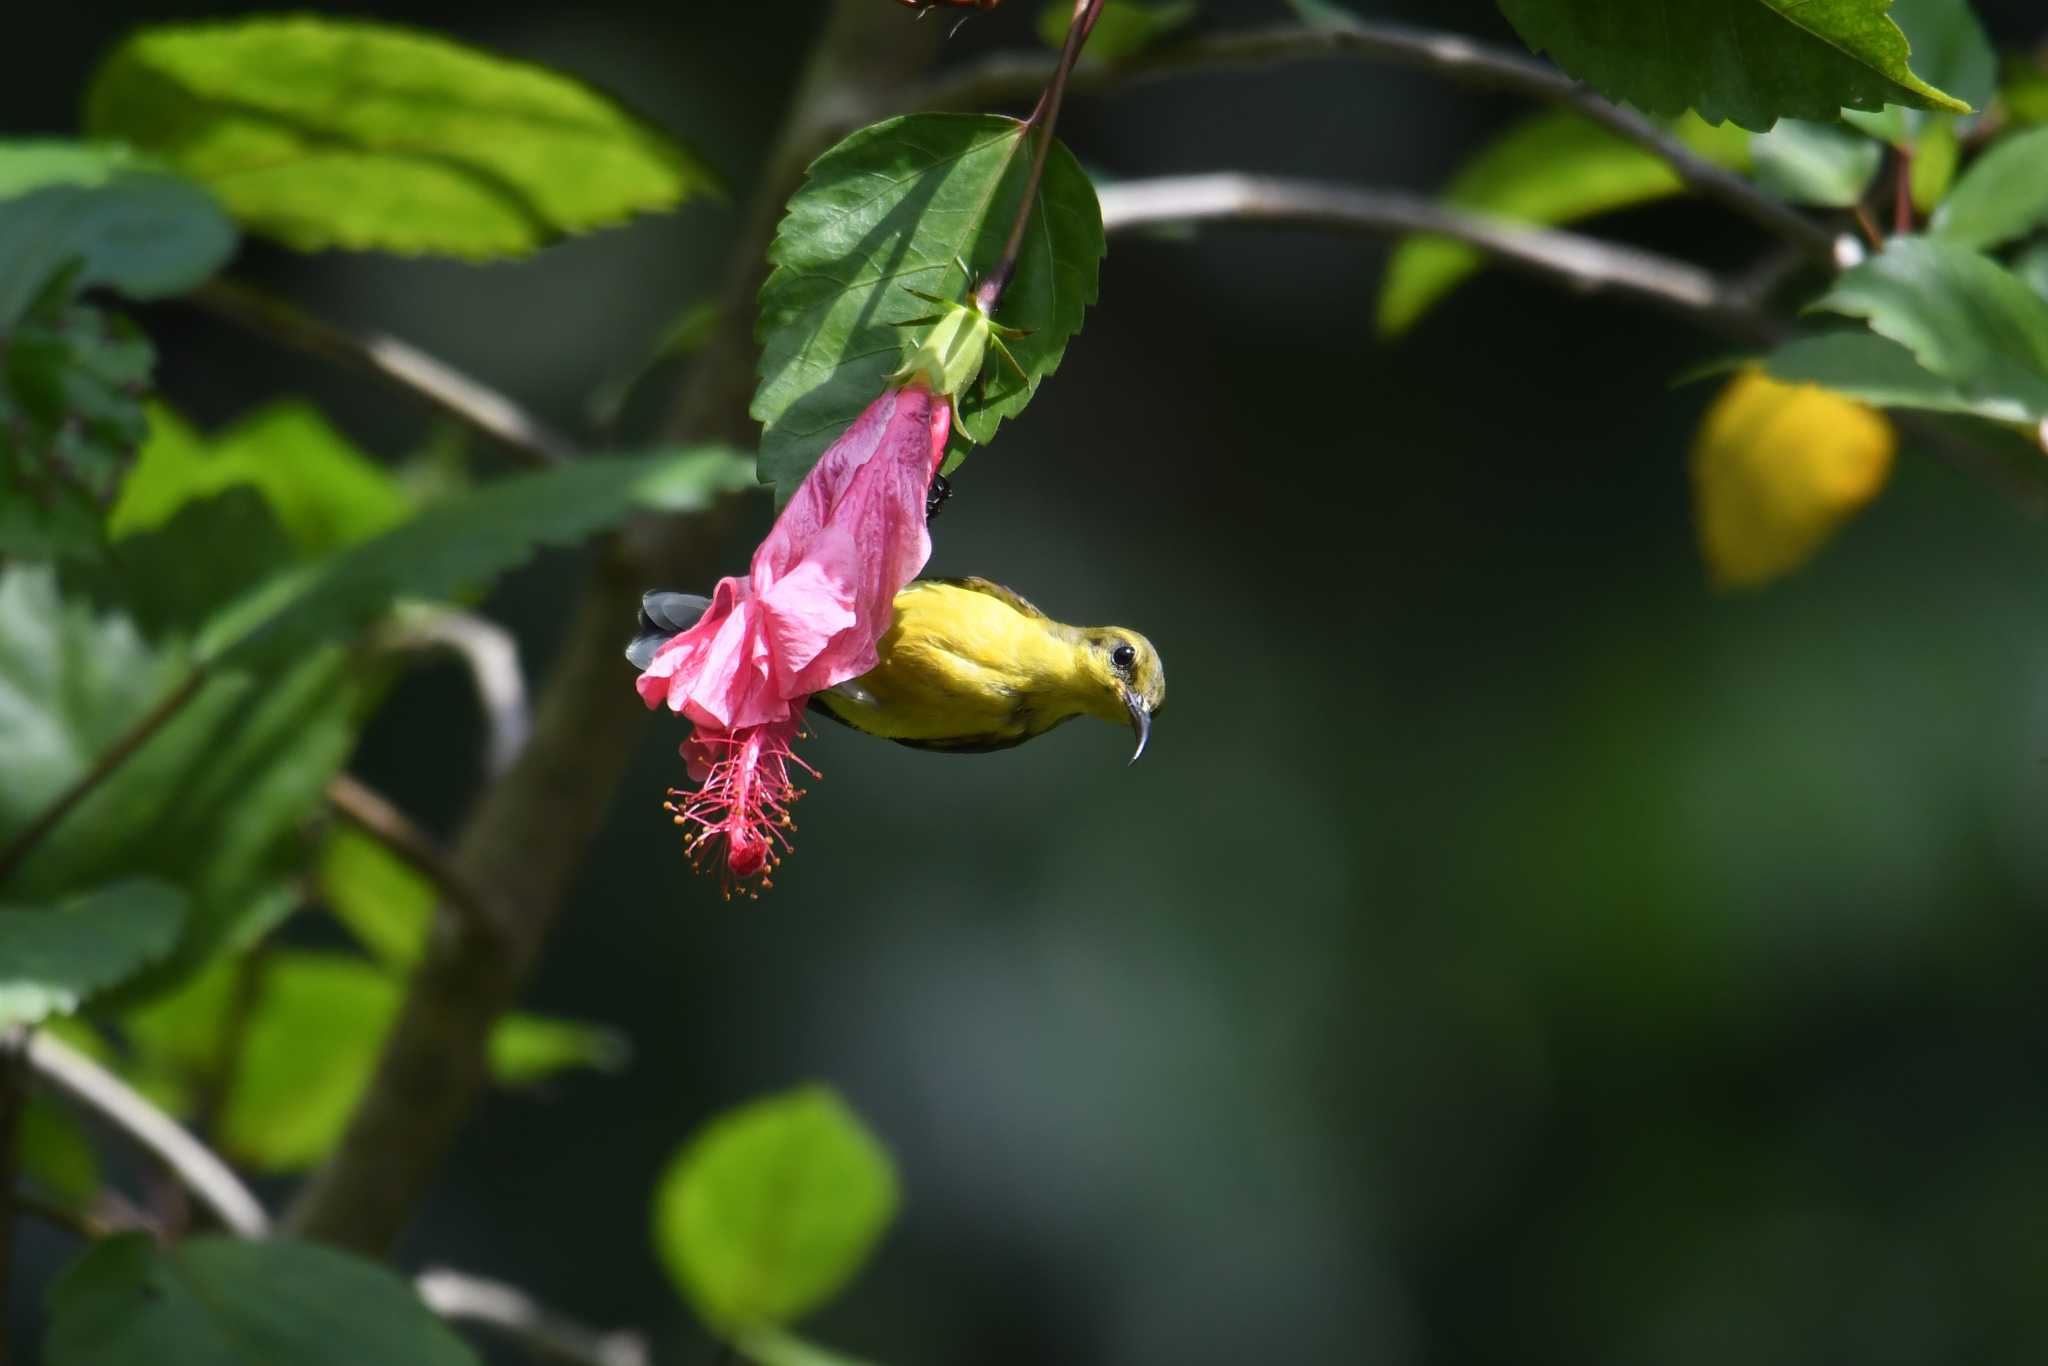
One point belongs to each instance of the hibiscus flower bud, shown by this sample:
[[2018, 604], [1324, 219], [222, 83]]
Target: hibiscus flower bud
[[819, 594]]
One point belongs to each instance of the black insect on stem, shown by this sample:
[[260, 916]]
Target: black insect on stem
[[935, 497]]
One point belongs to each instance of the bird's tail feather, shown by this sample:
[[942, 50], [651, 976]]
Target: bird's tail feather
[[663, 615]]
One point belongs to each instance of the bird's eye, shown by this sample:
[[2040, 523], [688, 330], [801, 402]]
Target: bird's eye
[[1123, 656]]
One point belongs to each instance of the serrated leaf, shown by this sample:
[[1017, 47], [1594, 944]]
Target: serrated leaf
[[1121, 30], [107, 214], [2002, 197], [1823, 164], [465, 542], [54, 960], [1874, 370], [890, 209], [774, 1206], [1964, 317], [1751, 61], [218, 1301], [1776, 469], [332, 132], [324, 492], [1555, 167]]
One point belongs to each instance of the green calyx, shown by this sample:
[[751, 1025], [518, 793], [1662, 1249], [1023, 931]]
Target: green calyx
[[953, 354]]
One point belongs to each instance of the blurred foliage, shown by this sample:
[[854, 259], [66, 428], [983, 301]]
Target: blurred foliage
[[1121, 30], [449, 150], [53, 959], [57, 1155], [2004, 196], [1823, 164]]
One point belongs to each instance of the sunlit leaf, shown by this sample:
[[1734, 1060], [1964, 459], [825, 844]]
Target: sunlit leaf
[[1555, 167], [890, 209], [1963, 316], [2003, 196], [1752, 61], [54, 959], [774, 1206], [219, 1301], [384, 901], [529, 1049], [1823, 164], [1936, 157], [333, 132], [767, 1346], [1776, 469]]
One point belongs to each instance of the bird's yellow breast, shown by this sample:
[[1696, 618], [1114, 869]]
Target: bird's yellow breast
[[958, 664]]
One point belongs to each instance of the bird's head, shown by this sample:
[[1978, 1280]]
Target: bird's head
[[1128, 683]]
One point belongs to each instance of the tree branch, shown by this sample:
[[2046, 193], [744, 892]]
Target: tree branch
[[1585, 264], [471, 402], [460, 1297], [209, 1179], [1009, 78]]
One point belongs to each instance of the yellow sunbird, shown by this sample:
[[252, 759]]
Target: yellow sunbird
[[969, 666]]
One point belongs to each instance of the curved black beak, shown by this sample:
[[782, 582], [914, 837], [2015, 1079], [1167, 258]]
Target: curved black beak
[[1141, 722]]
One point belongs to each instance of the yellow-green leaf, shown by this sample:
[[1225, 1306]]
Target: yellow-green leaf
[[1776, 469]]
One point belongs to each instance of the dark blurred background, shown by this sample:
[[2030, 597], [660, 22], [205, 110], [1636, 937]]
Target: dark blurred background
[[1508, 951]]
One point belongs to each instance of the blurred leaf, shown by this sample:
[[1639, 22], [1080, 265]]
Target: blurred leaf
[[57, 1154], [1935, 158], [888, 210], [685, 336], [1823, 164], [1121, 30], [326, 494], [772, 1347], [175, 578], [2031, 266], [529, 1049], [2023, 88], [219, 1301], [465, 542], [1865, 366], [383, 900], [1963, 316], [52, 961], [1776, 469], [1551, 168], [211, 803], [772, 1207], [1321, 12], [2003, 196], [71, 381], [108, 215], [1665, 56], [328, 132]]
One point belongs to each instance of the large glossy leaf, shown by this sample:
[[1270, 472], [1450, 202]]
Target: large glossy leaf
[[2003, 196], [218, 1301], [324, 492], [1878, 371], [52, 960], [1555, 167], [333, 132], [467, 541], [1965, 318], [768, 1211], [106, 214], [1752, 61], [892, 208], [1950, 50], [1776, 469]]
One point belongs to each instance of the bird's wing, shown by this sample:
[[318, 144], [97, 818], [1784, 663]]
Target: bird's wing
[[982, 744], [1016, 601], [663, 615]]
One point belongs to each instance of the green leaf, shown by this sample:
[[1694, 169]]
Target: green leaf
[[218, 1301], [53, 961], [1121, 30], [772, 1207], [1865, 366], [2031, 266], [467, 541], [772, 1347], [1555, 167], [383, 900], [107, 214], [329, 132], [2023, 89], [1823, 164], [57, 1154], [2003, 196], [1752, 61], [325, 493], [529, 1049], [1964, 317], [71, 417], [888, 210], [1935, 158]]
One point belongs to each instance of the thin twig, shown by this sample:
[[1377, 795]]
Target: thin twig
[[492, 655], [209, 1179], [1010, 78], [1586, 264], [467, 400], [374, 814], [110, 759], [458, 1296]]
